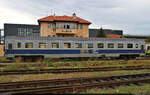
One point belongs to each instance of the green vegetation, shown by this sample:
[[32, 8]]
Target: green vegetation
[[3, 59], [13, 78], [47, 61], [50, 63], [20, 66], [148, 51], [148, 39], [140, 90], [101, 33]]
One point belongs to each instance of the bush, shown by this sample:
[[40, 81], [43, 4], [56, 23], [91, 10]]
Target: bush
[[3, 59], [47, 61]]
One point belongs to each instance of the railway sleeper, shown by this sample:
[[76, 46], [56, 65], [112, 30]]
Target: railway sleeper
[[114, 83]]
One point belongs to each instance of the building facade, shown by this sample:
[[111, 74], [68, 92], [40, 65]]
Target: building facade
[[136, 36], [93, 33], [64, 26], [1, 36], [21, 30]]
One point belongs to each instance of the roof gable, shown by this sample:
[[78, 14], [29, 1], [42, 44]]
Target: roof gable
[[63, 18]]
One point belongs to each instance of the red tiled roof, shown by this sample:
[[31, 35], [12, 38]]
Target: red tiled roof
[[63, 18], [113, 36]]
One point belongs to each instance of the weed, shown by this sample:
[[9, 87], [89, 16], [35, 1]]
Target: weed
[[47, 61], [3, 59]]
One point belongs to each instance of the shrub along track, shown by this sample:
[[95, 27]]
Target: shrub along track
[[72, 70], [72, 84]]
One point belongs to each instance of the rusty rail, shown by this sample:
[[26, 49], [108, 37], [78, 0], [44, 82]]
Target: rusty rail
[[72, 70], [72, 84]]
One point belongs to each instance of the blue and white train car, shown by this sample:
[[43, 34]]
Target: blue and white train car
[[56, 47]]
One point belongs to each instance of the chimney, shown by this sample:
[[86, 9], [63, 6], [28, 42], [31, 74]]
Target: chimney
[[74, 15], [54, 14]]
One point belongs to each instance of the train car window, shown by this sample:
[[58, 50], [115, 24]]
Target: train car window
[[136, 46], [78, 45], [90, 45], [129, 45], [55, 45], [42, 45], [120, 45], [110, 45], [10, 46], [28, 45], [67, 45], [19, 45], [100, 45]]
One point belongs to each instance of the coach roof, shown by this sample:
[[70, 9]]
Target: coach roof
[[72, 39]]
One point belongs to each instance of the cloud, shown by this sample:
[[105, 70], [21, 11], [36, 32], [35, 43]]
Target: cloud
[[131, 16], [12, 16]]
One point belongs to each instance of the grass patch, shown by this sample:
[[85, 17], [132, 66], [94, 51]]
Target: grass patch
[[145, 89], [19, 66], [10, 78], [3, 59], [50, 63], [100, 63]]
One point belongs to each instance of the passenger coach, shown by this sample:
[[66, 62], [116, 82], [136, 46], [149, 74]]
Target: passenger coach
[[33, 48]]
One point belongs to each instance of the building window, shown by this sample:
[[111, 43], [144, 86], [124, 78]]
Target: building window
[[81, 26], [74, 26], [120, 45], [49, 25], [55, 45], [90, 45], [136, 46], [67, 45], [68, 26], [78, 45], [110, 45], [129, 45], [10, 46], [26, 31], [54, 26], [100, 45], [28, 45], [19, 45], [42, 45]]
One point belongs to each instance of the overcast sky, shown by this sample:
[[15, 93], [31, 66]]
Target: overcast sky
[[131, 16]]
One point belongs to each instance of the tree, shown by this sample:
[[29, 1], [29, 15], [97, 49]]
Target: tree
[[101, 33], [148, 39]]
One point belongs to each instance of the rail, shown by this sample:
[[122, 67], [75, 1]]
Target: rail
[[72, 70], [72, 84]]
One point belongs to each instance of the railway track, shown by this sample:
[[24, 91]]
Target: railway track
[[146, 57], [6, 62], [72, 70], [72, 84]]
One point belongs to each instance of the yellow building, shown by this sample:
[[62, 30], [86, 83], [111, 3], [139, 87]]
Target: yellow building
[[1, 50], [64, 26]]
